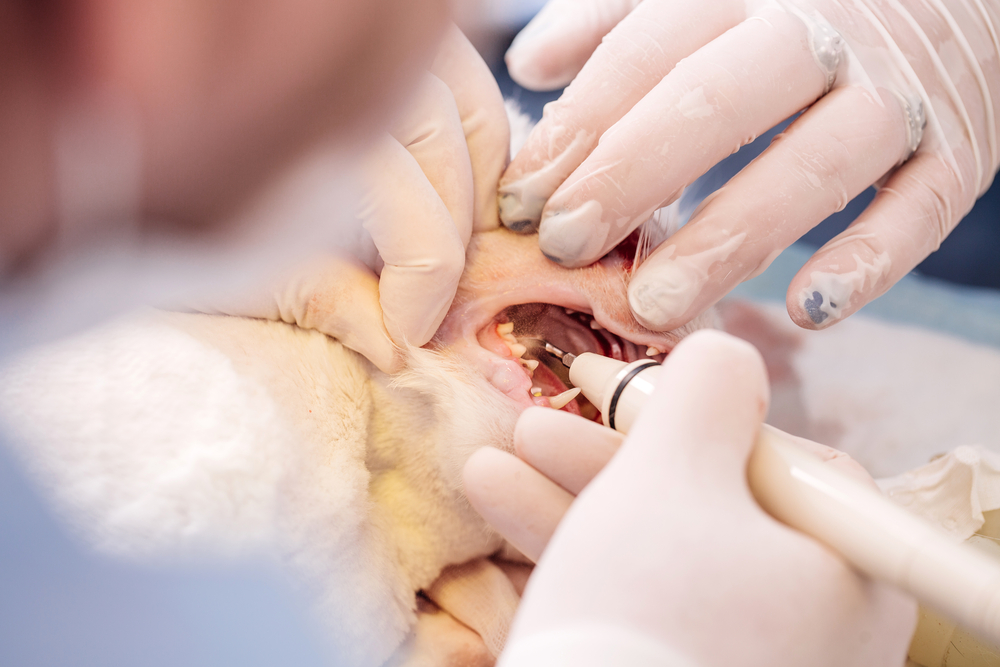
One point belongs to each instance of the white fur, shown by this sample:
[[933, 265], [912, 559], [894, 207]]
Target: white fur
[[190, 435]]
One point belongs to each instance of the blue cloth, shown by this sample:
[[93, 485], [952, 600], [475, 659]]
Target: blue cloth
[[62, 607]]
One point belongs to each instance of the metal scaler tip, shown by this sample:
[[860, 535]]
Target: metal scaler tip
[[566, 358]]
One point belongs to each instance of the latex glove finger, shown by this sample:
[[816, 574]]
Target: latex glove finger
[[713, 394], [721, 97], [832, 153], [479, 594], [439, 640], [566, 448], [910, 216], [432, 132], [517, 572], [418, 240], [656, 36], [337, 296], [519, 502], [484, 122], [554, 46]]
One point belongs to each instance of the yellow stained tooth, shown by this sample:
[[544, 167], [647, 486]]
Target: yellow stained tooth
[[518, 350], [536, 392], [653, 351], [530, 363], [560, 401], [505, 328]]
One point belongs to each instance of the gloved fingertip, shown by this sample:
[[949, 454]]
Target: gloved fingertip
[[573, 238], [517, 217], [379, 350], [800, 314], [524, 227], [393, 362], [661, 294], [714, 344], [529, 66], [413, 332], [532, 58], [713, 389], [486, 478], [815, 308]]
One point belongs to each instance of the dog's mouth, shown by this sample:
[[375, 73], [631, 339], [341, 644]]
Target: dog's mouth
[[511, 298], [520, 333]]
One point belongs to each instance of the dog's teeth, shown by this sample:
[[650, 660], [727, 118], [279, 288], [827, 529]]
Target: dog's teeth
[[595, 326], [653, 351], [568, 311], [536, 392], [532, 364], [505, 328], [560, 401], [518, 350]]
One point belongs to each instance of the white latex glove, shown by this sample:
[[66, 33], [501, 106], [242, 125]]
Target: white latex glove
[[430, 181], [677, 85], [665, 558]]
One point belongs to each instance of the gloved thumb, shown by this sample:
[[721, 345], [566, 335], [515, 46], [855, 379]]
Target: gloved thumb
[[553, 47], [335, 295], [698, 428]]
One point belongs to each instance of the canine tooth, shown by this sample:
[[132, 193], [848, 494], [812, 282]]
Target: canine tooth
[[653, 351], [505, 328], [536, 392], [532, 364], [560, 401], [518, 350], [595, 326]]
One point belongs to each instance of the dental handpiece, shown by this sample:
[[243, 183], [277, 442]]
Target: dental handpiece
[[877, 537]]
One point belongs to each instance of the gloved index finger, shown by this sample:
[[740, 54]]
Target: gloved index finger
[[555, 45], [431, 131], [568, 449], [633, 58], [417, 240], [484, 121]]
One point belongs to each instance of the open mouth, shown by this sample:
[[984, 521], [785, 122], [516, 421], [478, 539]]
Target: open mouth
[[511, 297], [519, 333]]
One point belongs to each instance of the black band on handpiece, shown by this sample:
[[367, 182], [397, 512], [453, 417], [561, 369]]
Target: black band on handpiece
[[613, 406]]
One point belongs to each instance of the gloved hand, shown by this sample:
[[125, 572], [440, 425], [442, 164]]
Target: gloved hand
[[665, 555], [429, 182], [677, 85]]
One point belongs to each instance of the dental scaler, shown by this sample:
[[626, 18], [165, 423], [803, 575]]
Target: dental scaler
[[876, 536]]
